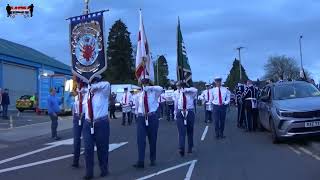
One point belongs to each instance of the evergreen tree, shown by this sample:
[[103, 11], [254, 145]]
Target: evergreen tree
[[234, 75], [119, 55], [163, 71]]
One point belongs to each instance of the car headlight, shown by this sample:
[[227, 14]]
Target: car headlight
[[283, 113]]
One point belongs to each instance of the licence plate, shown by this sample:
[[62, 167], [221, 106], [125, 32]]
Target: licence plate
[[312, 124]]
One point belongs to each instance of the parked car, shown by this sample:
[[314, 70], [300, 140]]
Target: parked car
[[290, 109], [26, 102]]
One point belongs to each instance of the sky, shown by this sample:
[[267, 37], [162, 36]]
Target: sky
[[211, 30]]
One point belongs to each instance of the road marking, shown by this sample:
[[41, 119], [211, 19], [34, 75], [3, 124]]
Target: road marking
[[51, 145], [204, 133], [309, 153], [188, 175], [294, 150], [112, 147]]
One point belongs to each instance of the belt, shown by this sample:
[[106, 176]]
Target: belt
[[181, 110], [98, 119], [149, 114]]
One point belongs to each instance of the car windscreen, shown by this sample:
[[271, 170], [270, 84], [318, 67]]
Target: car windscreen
[[295, 90]]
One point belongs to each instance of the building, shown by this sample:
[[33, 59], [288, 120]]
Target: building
[[21, 67]]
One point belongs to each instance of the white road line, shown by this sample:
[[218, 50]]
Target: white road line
[[27, 154], [204, 133], [309, 153], [294, 150], [189, 174], [111, 148], [172, 168]]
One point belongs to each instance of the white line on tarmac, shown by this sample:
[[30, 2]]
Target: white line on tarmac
[[27, 154], [111, 148], [173, 168], [204, 133], [294, 150], [309, 153]]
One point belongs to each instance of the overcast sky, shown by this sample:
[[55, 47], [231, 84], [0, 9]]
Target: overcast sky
[[211, 30]]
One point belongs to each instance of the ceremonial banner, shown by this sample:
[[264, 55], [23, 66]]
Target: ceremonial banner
[[144, 65], [183, 67], [87, 46]]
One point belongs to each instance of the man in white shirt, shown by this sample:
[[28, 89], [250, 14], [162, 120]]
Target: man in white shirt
[[96, 128], [126, 106], [78, 119], [169, 95], [220, 100], [147, 121], [207, 98], [184, 106], [162, 104]]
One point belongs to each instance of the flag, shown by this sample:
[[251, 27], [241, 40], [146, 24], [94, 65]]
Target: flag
[[144, 65], [183, 67]]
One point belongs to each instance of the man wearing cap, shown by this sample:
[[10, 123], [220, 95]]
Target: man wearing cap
[[184, 108], [207, 98], [241, 123], [96, 128], [147, 121], [249, 97], [220, 100], [126, 107], [162, 104]]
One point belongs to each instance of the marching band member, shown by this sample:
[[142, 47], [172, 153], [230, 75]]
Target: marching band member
[[176, 95], [126, 107], [207, 98], [147, 121], [220, 100], [249, 97], [241, 123], [96, 128], [162, 104], [133, 106], [169, 96], [78, 118], [184, 106]]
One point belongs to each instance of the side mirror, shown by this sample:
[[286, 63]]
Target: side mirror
[[265, 98]]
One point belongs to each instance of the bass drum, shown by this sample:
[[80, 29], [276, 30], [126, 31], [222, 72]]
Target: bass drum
[[209, 106], [126, 109]]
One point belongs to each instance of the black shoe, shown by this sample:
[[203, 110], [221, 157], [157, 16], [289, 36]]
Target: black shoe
[[190, 151], [222, 137], [138, 166], [217, 136], [74, 165], [104, 174], [87, 177], [57, 138], [123, 124], [181, 152], [153, 163]]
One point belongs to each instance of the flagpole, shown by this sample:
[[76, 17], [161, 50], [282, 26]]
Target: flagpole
[[86, 8]]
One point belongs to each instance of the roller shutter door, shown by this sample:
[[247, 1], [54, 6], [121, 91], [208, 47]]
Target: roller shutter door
[[20, 80]]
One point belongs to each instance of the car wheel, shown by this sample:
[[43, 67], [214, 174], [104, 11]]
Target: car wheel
[[274, 136]]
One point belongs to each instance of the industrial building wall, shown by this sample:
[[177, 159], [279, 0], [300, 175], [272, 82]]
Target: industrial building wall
[[20, 80]]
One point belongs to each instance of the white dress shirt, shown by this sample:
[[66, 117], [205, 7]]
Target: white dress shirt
[[225, 94], [162, 98], [76, 100], [190, 94], [129, 98], [153, 93], [205, 95], [100, 100]]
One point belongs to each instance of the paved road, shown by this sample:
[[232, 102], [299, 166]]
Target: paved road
[[241, 156]]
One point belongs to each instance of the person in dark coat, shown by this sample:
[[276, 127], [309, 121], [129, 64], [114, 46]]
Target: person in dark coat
[[5, 102], [112, 101]]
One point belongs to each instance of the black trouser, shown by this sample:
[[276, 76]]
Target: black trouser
[[124, 114], [54, 125], [170, 112], [241, 115], [161, 109], [255, 114], [112, 111], [5, 111]]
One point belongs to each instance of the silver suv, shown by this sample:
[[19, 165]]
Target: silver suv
[[290, 109]]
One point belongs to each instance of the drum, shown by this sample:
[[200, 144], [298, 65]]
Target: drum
[[126, 108], [133, 109], [209, 106]]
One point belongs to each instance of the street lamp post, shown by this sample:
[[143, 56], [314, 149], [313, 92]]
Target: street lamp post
[[240, 69], [86, 8], [300, 44]]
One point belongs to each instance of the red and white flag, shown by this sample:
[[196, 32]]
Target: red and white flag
[[144, 64]]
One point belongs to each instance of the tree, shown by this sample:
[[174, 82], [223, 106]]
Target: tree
[[200, 85], [119, 55], [163, 71], [234, 75], [282, 67]]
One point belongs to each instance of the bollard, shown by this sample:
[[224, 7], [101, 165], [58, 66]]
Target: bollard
[[11, 122]]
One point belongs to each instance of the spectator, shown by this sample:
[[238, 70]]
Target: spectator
[[112, 100], [5, 102], [53, 111]]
